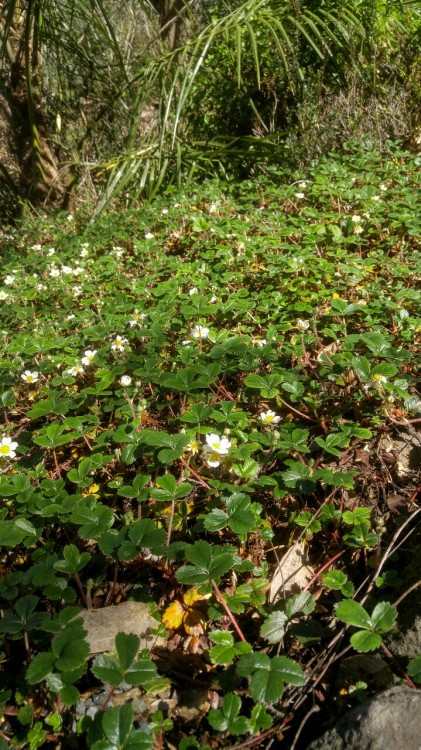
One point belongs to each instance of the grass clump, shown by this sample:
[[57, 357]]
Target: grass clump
[[189, 390]]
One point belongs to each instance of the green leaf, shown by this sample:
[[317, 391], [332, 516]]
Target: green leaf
[[11, 535], [249, 663], [265, 686], [361, 366], [414, 668], [217, 720], [386, 369], [335, 579], [331, 442], [215, 520], [297, 472], [144, 672], [259, 719], [338, 581], [106, 669], [364, 641], [146, 533], [168, 489], [295, 389], [300, 603], [117, 724], [242, 519], [93, 521], [25, 714], [191, 576], [40, 666], [352, 613], [249, 469], [273, 628], [70, 695], [383, 617], [200, 554], [222, 638], [266, 384], [127, 646], [288, 670], [238, 725], [231, 705], [70, 648], [221, 565], [73, 560], [25, 606]]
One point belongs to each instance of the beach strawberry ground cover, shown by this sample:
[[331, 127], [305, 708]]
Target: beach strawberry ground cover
[[194, 392]]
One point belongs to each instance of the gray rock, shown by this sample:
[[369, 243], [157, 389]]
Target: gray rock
[[406, 642], [390, 721], [103, 624]]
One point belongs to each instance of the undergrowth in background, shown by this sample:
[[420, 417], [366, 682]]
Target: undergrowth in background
[[189, 391], [105, 101]]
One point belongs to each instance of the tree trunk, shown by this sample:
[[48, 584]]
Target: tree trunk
[[32, 159], [175, 18]]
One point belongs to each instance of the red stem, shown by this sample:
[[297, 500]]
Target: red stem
[[300, 413], [195, 474], [170, 525], [222, 601], [323, 568]]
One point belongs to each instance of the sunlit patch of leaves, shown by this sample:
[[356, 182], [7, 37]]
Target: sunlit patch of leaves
[[186, 389]]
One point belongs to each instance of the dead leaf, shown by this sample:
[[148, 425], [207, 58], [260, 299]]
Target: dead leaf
[[291, 575], [129, 617], [191, 613], [193, 703]]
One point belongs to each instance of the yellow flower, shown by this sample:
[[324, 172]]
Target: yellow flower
[[193, 447], [92, 490]]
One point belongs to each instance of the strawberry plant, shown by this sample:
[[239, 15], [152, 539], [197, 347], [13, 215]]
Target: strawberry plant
[[190, 391]]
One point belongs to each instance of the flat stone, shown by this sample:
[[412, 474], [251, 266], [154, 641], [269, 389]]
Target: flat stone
[[129, 617], [389, 721], [291, 575]]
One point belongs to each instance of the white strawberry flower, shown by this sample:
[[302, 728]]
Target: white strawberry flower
[[88, 357], [219, 445], [118, 344], [76, 370], [199, 332], [269, 417], [125, 380], [30, 377], [3, 294], [303, 325], [213, 459], [7, 448]]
